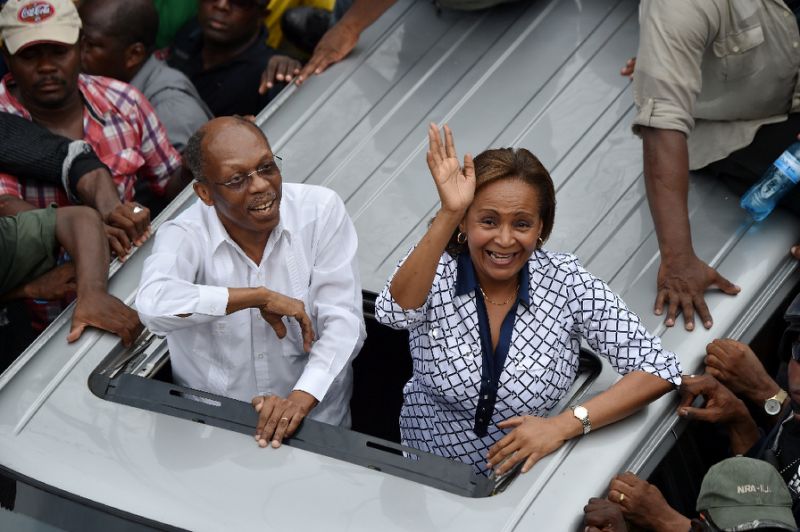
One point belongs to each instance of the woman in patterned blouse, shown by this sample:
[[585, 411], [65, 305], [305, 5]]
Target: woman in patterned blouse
[[496, 322]]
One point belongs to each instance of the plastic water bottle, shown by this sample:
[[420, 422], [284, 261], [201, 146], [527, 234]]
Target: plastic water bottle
[[779, 179]]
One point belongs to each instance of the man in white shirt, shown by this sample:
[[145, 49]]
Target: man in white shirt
[[225, 272]]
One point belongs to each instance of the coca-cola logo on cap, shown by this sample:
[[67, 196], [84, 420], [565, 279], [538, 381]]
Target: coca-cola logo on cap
[[35, 12]]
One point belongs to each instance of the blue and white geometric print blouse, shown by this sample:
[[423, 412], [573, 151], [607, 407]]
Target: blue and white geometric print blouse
[[566, 304]]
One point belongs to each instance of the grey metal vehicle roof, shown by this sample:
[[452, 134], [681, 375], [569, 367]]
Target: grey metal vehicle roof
[[539, 74]]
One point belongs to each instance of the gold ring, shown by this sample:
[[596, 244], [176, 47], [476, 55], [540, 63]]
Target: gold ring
[[621, 497], [285, 419]]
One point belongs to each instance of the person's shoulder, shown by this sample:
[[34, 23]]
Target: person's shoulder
[[107, 93], [167, 76], [192, 223], [305, 205], [677, 13], [311, 196], [554, 260]]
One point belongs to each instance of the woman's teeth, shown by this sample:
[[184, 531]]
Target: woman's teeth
[[501, 258]]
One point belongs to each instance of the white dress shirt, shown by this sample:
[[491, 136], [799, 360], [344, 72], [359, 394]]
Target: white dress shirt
[[310, 255]]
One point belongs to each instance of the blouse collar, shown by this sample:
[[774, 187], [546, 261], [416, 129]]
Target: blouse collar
[[467, 279]]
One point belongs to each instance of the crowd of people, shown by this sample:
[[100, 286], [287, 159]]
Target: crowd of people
[[109, 108]]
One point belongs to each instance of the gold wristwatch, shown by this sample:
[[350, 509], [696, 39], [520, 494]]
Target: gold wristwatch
[[772, 406]]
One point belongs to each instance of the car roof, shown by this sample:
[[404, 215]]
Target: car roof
[[541, 75]]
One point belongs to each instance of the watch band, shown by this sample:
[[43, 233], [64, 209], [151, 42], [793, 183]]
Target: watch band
[[582, 415], [772, 406]]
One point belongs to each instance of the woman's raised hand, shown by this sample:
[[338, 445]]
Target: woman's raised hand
[[456, 185]]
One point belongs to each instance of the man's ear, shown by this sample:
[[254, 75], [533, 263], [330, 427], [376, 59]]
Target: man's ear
[[203, 192], [135, 55]]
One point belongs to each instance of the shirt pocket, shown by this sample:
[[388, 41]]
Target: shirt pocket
[[538, 381], [454, 368], [739, 53]]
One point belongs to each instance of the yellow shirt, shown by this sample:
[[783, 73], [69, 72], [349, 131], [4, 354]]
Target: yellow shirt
[[276, 9]]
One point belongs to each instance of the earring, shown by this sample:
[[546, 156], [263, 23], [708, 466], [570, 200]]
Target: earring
[[461, 238], [541, 242]]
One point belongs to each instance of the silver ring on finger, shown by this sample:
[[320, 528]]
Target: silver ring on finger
[[286, 419], [137, 209]]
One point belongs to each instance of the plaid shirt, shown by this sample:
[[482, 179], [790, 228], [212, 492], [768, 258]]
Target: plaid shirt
[[123, 129]]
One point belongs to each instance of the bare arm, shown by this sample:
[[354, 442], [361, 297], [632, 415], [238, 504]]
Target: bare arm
[[682, 277], [412, 282], [340, 40], [533, 438], [80, 231], [11, 205]]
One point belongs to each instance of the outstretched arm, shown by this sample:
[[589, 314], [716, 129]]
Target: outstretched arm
[[80, 231], [412, 282], [682, 277], [339, 41], [533, 438]]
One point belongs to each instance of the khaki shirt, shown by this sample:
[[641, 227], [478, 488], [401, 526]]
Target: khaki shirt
[[717, 70]]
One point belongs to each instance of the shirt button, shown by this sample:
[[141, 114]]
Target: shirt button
[[795, 44], [785, 14], [434, 333], [260, 355], [735, 48]]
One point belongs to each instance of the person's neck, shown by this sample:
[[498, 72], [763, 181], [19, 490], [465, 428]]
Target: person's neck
[[498, 289], [62, 119], [253, 243], [214, 53]]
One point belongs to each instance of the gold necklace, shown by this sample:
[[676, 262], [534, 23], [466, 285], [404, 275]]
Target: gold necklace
[[493, 302]]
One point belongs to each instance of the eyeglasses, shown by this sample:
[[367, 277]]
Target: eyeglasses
[[796, 350], [268, 170]]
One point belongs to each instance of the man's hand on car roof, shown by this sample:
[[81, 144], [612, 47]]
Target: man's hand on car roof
[[682, 282], [278, 418], [104, 311]]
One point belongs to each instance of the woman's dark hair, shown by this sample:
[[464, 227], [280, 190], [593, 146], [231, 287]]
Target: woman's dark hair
[[510, 163]]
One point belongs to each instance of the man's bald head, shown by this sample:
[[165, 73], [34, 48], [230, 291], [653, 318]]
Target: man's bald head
[[215, 136]]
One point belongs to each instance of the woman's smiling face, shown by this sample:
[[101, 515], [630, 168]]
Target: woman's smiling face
[[503, 226]]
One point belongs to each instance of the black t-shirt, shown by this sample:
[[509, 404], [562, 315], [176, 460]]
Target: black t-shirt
[[787, 461], [230, 88]]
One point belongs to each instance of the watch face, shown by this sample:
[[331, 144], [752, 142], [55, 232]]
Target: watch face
[[772, 406], [581, 412]]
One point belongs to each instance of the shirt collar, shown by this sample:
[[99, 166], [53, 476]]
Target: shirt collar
[[218, 234], [467, 279], [139, 80]]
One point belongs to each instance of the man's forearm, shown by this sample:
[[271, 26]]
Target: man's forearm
[[743, 434], [364, 12], [97, 190], [11, 205], [666, 174], [80, 231]]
